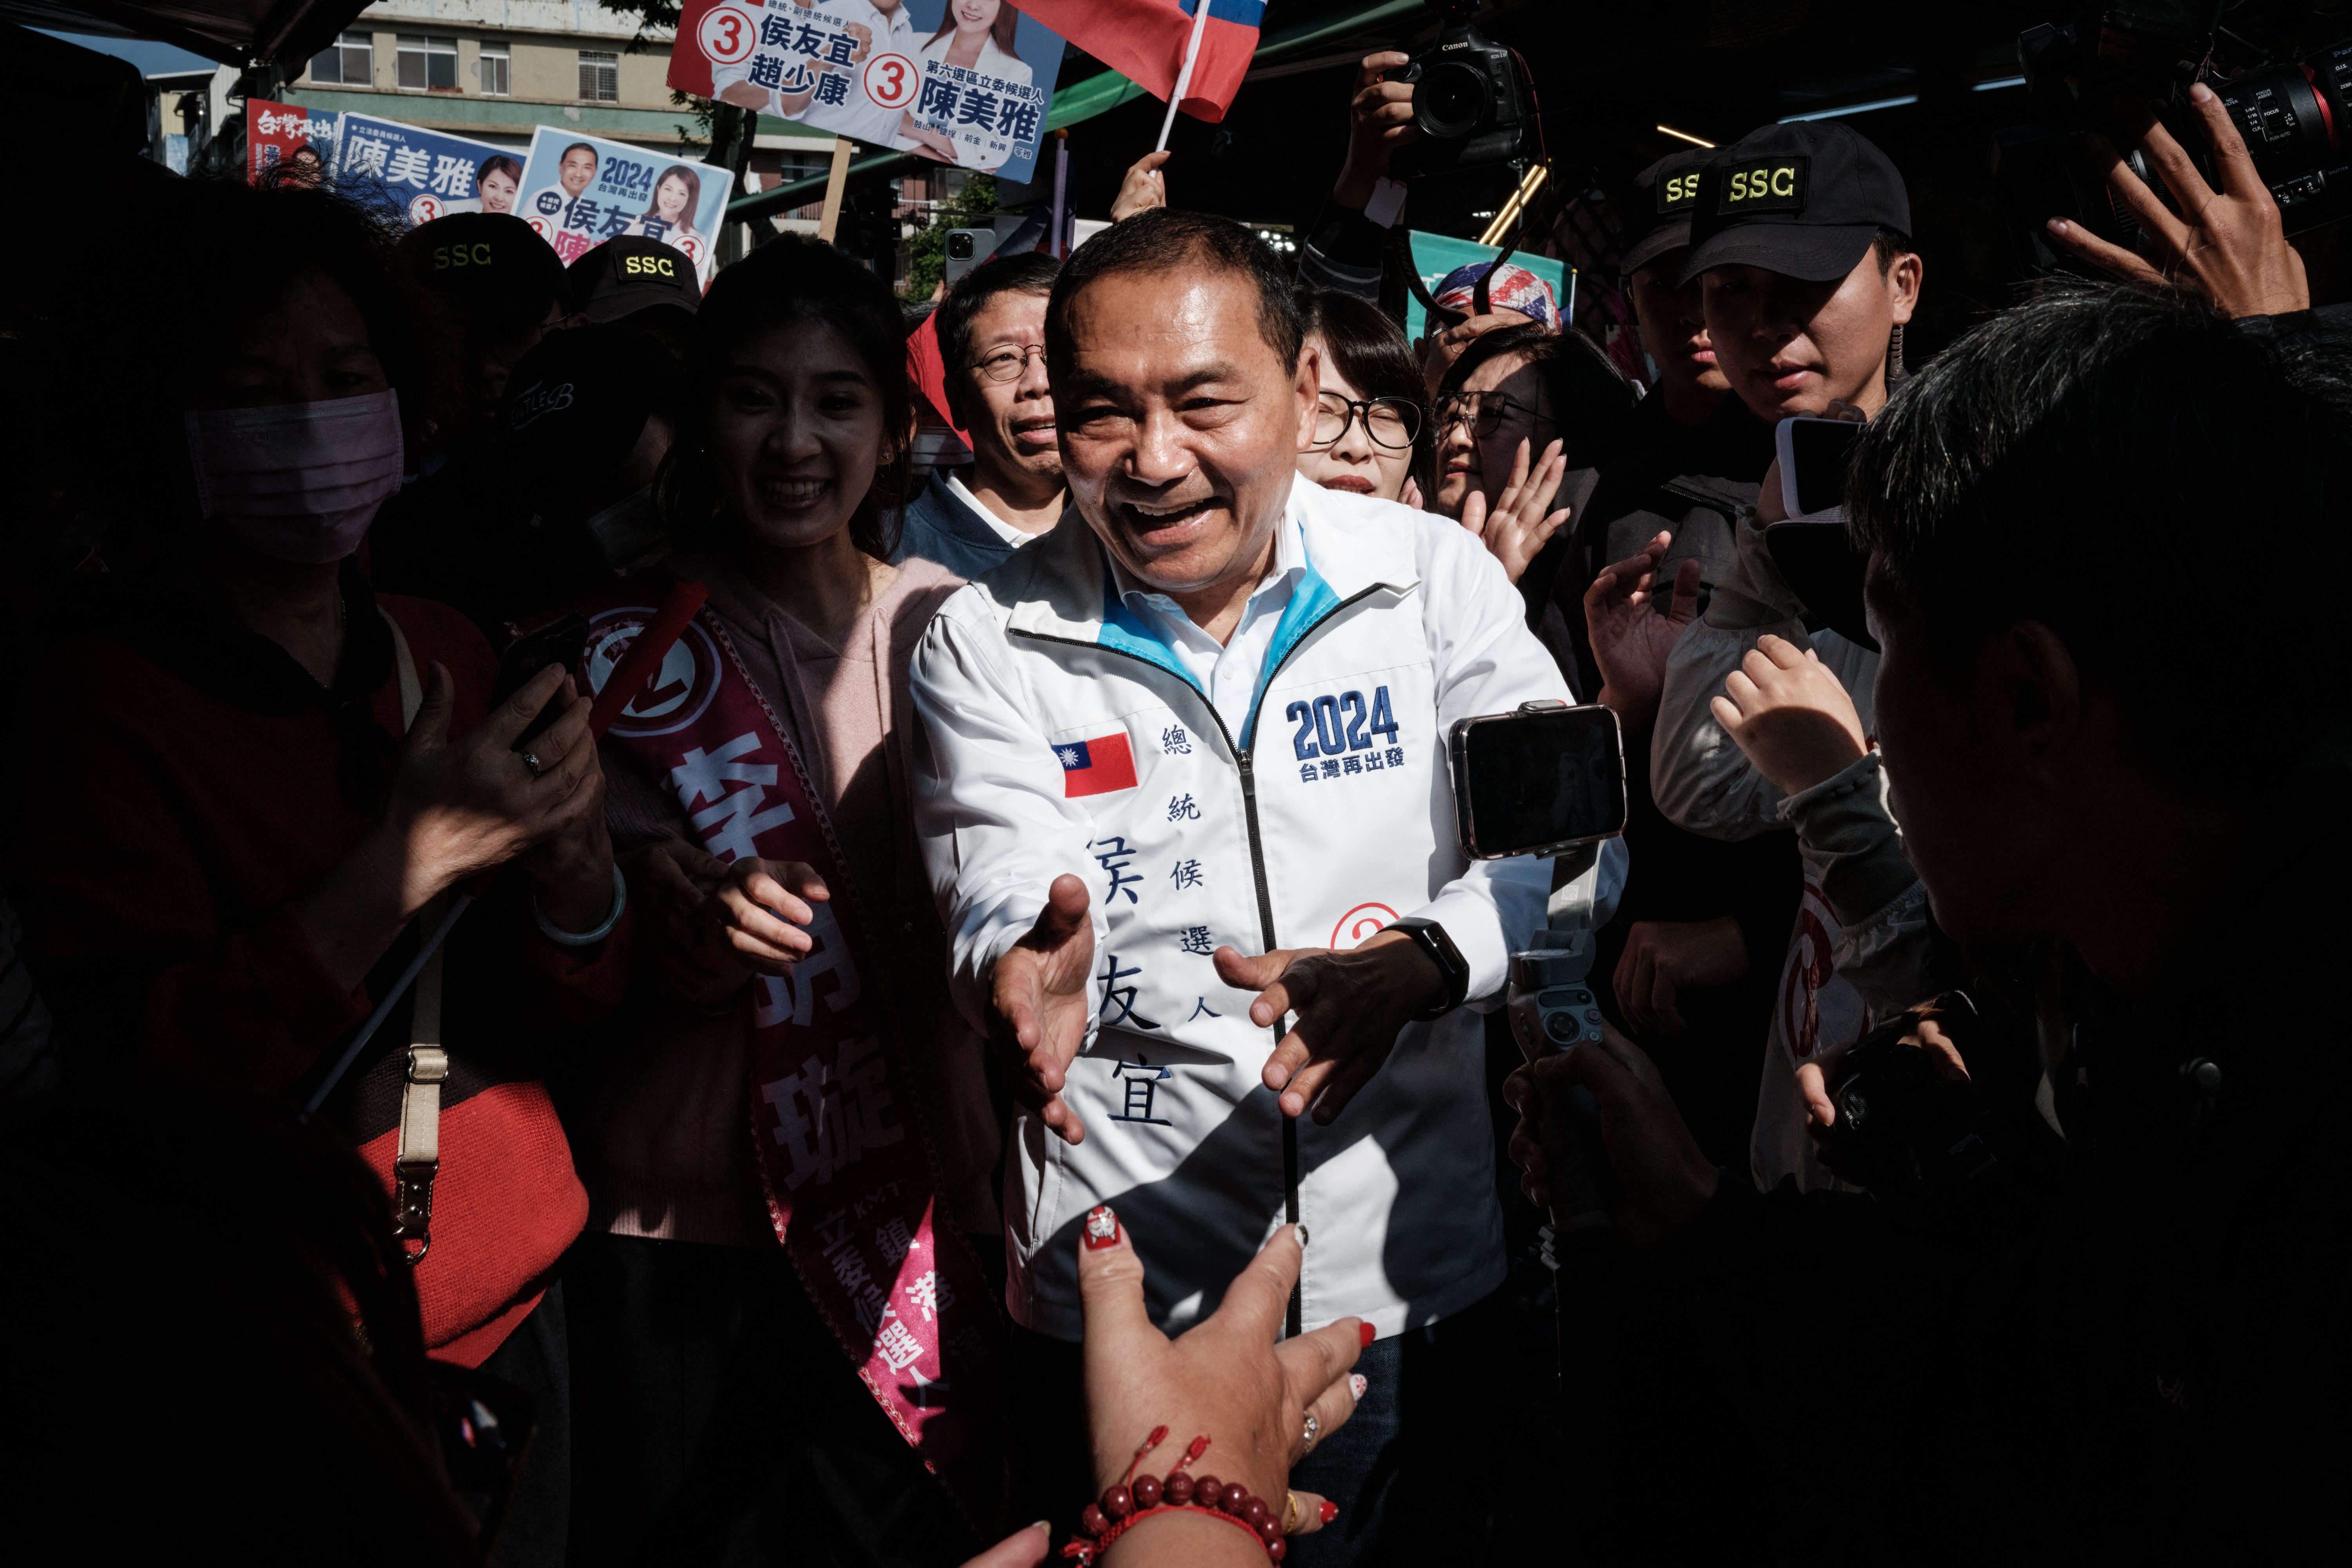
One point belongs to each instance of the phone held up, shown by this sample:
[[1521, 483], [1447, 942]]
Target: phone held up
[[1811, 548], [1537, 781], [562, 642]]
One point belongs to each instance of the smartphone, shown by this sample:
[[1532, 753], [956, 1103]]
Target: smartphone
[[1539, 781], [967, 248], [562, 642], [1813, 457]]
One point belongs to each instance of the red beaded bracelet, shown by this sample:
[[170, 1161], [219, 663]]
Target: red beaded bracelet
[[1135, 1498]]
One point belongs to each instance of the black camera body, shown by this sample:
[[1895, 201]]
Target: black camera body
[[2296, 117], [1471, 103]]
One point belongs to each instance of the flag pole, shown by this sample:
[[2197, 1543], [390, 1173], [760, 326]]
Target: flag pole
[[1184, 77]]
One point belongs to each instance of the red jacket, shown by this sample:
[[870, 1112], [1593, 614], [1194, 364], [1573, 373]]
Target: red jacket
[[175, 791]]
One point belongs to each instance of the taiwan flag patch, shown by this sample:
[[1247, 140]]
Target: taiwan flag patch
[[1095, 767]]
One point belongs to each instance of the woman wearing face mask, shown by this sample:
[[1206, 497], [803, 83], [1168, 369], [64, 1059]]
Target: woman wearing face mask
[[787, 1319], [245, 788], [1522, 420], [1372, 432]]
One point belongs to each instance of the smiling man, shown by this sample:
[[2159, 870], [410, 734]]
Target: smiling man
[[1185, 806], [991, 337]]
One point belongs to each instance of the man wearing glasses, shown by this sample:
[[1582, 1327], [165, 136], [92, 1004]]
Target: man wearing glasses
[[992, 332]]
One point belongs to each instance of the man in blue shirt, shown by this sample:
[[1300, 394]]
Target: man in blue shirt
[[992, 332]]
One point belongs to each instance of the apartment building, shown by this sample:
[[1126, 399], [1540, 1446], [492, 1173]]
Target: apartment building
[[494, 70]]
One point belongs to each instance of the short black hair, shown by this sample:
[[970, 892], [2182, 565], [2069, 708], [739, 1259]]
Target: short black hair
[[2091, 460], [1370, 352], [1163, 239], [791, 277], [1029, 272], [1589, 393]]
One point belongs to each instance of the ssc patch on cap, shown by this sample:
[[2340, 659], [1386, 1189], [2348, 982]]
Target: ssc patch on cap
[[1762, 185], [1678, 192]]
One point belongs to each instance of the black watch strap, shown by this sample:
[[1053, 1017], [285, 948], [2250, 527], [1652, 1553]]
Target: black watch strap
[[1431, 938]]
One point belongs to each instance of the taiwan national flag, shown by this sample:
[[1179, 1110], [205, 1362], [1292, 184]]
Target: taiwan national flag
[[1095, 767], [1144, 40]]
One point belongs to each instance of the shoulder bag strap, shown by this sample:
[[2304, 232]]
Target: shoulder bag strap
[[419, 1159]]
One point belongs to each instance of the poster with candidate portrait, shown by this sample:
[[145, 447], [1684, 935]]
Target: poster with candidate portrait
[[968, 82], [422, 174], [286, 135], [580, 190]]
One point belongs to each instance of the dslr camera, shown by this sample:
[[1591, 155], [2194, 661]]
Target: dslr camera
[[2291, 104], [1472, 101]]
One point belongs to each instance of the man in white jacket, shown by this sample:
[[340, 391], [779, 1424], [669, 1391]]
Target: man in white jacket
[[1187, 810]]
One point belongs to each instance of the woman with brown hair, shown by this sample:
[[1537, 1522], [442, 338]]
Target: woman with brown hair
[[785, 1318]]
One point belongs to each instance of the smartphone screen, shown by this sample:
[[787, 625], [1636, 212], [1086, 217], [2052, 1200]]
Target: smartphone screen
[[1533, 781], [1813, 457]]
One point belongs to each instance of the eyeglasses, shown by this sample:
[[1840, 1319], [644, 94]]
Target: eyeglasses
[[1391, 422], [1007, 363], [1485, 412]]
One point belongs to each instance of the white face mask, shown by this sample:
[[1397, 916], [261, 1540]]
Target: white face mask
[[298, 482]]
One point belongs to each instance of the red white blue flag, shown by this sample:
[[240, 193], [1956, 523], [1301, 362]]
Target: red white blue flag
[[1145, 41], [1095, 767]]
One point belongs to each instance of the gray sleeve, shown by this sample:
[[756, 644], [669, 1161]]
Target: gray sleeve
[[1891, 952]]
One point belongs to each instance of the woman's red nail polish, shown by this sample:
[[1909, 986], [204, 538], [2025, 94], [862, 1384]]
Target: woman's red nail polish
[[1102, 1228], [1330, 1510], [1364, 1329]]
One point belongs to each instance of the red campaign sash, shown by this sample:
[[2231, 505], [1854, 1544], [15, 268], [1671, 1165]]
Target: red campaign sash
[[850, 1182]]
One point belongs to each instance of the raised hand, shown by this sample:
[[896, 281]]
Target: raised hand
[[1351, 1007], [1038, 995], [1630, 635], [1518, 526], [1791, 715], [1380, 120], [2229, 245]]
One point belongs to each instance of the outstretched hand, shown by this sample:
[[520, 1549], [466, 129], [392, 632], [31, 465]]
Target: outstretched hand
[[1037, 994], [1231, 1378], [1350, 1007], [1630, 635], [1791, 716], [2228, 245]]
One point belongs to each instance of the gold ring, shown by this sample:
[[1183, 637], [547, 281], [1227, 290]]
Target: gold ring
[[1290, 1516]]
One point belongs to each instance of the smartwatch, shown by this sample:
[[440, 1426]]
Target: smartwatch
[[1431, 938]]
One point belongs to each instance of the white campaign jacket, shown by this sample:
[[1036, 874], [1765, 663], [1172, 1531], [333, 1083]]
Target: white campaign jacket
[[1062, 736]]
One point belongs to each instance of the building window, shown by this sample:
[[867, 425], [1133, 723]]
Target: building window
[[496, 68], [349, 61], [428, 63], [600, 76]]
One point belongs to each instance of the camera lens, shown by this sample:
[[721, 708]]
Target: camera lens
[[1450, 102], [960, 245]]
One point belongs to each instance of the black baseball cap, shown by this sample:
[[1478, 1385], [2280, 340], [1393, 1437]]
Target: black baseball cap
[[575, 406], [1803, 200], [633, 273], [1659, 208], [483, 263]]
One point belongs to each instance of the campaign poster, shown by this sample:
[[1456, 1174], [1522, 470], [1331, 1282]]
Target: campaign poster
[[290, 135], [423, 174], [968, 82], [580, 190], [1435, 255]]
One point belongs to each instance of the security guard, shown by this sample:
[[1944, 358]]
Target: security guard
[[648, 283]]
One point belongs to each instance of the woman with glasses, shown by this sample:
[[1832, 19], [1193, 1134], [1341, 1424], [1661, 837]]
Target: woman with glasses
[[1521, 422], [1372, 432]]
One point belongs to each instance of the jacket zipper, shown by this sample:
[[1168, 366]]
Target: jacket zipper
[[1245, 762]]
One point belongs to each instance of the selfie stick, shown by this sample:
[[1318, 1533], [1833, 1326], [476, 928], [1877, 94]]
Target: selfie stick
[[1184, 75], [636, 669], [1551, 1009]]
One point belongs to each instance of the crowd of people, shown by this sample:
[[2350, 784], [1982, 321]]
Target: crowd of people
[[597, 928]]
